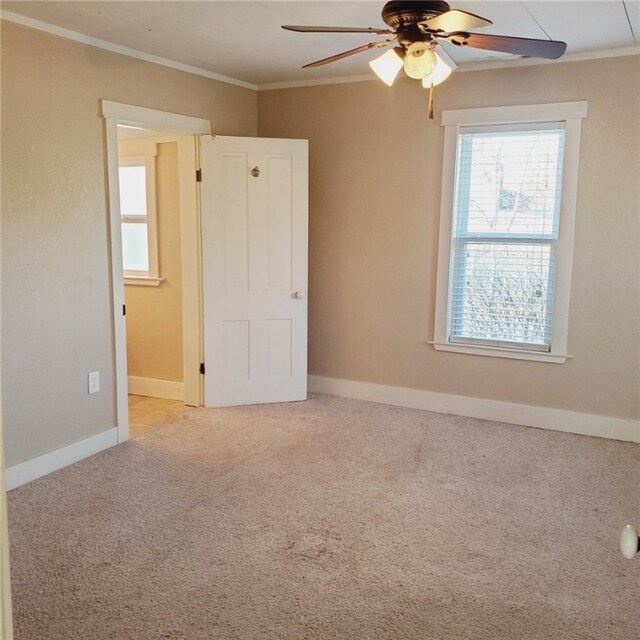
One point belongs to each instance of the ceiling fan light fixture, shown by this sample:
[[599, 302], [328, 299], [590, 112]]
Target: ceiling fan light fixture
[[444, 66], [388, 65], [420, 60]]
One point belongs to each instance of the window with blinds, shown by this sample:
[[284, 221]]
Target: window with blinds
[[507, 226], [506, 211]]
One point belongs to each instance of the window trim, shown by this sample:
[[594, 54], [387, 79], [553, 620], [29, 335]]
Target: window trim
[[570, 114], [152, 276]]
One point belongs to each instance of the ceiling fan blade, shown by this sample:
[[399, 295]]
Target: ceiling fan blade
[[455, 20], [529, 47], [311, 29], [351, 52]]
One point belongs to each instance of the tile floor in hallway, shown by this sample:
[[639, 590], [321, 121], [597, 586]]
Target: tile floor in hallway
[[146, 414]]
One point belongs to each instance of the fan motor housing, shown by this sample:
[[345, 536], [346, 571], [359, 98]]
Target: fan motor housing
[[399, 13], [403, 16]]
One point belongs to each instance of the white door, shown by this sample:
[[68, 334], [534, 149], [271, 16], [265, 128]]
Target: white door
[[254, 256]]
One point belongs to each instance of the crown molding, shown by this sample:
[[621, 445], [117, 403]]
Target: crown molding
[[293, 84], [469, 66], [581, 56], [116, 48]]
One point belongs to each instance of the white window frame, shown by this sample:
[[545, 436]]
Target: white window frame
[[570, 114], [152, 276]]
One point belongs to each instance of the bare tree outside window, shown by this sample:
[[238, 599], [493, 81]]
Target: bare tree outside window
[[505, 228]]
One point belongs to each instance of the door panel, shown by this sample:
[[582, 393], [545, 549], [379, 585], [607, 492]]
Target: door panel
[[279, 337], [236, 349], [254, 236], [235, 222], [279, 222]]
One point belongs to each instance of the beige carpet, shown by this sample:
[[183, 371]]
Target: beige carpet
[[331, 519]]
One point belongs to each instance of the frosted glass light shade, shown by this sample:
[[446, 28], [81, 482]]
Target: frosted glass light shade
[[420, 61], [387, 66], [444, 66]]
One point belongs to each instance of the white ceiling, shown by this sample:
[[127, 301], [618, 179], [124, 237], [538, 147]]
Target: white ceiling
[[243, 40]]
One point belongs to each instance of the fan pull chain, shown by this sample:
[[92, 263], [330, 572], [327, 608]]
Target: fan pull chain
[[431, 103]]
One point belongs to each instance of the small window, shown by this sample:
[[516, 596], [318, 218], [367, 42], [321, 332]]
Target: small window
[[138, 218], [506, 241]]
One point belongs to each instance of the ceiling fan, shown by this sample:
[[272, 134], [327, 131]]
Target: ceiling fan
[[417, 28]]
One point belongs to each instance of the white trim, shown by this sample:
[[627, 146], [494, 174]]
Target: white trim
[[566, 233], [117, 279], [518, 414], [143, 280], [133, 115], [24, 472], [154, 388], [116, 113], [550, 112], [570, 114], [579, 56], [501, 352], [191, 254], [116, 48], [444, 239], [316, 82], [152, 216]]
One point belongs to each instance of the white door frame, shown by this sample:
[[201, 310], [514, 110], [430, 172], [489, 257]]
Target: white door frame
[[187, 128]]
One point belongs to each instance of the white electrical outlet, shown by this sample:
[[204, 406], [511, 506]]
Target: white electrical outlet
[[94, 381]]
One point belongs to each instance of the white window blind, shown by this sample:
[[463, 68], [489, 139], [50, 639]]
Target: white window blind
[[507, 191]]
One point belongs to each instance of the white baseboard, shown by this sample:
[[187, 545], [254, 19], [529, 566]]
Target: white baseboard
[[543, 417], [156, 388], [35, 468]]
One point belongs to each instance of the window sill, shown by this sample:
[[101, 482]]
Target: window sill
[[499, 352], [143, 280]]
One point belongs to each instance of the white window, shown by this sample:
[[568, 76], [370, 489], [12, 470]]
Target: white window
[[138, 219], [507, 226]]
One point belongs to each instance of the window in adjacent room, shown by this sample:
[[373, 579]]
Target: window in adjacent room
[[138, 217], [506, 240]]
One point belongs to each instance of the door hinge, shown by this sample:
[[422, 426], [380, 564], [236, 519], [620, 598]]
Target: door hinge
[[198, 175], [124, 309], [202, 368]]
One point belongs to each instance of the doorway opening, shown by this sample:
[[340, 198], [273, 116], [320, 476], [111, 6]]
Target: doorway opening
[[152, 264], [143, 142]]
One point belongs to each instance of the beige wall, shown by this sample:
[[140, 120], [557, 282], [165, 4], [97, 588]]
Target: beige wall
[[56, 309], [375, 189], [154, 314], [375, 174]]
